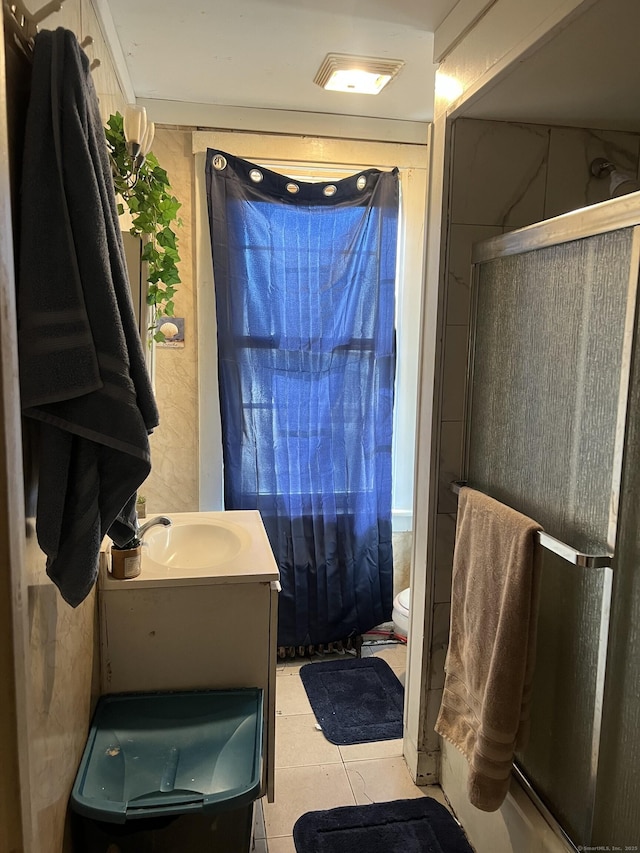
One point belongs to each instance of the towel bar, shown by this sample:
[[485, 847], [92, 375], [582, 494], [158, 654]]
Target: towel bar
[[576, 558]]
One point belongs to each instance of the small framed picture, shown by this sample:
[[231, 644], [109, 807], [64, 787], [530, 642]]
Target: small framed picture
[[173, 330]]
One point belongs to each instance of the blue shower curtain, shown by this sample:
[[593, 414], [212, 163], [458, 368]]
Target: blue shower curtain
[[304, 281]]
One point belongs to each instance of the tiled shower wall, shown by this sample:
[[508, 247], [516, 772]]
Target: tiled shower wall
[[503, 176]]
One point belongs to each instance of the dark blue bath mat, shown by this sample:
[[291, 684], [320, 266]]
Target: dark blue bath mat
[[355, 701], [403, 826]]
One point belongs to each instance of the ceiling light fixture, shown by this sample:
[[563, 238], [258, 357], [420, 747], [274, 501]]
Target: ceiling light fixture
[[360, 75]]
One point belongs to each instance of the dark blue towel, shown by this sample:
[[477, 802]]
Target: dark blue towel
[[82, 373]]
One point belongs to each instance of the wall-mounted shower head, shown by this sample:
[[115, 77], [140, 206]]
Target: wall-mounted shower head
[[620, 183], [601, 167]]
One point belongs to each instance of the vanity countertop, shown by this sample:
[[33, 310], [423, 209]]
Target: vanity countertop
[[243, 554]]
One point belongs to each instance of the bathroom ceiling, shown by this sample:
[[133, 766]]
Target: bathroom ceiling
[[588, 75], [265, 53]]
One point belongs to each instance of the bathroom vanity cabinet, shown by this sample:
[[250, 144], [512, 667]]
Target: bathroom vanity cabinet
[[197, 628]]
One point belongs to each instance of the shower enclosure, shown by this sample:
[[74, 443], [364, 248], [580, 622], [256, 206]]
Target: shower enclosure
[[552, 412]]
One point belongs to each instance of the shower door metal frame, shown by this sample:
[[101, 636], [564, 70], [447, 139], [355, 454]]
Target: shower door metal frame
[[608, 216]]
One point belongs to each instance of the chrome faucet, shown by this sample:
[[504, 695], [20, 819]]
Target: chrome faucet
[[158, 519]]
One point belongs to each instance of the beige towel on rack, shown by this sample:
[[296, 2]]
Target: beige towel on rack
[[489, 665]]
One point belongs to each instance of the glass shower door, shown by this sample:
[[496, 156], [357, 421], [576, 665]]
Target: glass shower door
[[547, 408]]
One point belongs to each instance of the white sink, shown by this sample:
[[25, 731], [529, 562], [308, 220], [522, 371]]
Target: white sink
[[195, 544], [201, 548]]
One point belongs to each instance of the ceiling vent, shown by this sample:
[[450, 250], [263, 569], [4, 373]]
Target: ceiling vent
[[360, 75]]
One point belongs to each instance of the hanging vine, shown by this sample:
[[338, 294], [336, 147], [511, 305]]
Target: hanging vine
[[153, 211]]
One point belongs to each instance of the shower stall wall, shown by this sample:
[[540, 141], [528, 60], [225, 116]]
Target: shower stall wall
[[549, 432]]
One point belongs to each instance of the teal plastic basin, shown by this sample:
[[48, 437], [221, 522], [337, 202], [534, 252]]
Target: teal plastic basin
[[156, 754]]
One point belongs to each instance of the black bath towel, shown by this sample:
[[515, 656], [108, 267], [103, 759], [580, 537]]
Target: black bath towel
[[82, 371]]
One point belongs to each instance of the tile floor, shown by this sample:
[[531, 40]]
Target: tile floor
[[313, 774]]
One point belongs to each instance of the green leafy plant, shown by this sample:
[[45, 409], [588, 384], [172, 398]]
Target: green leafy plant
[[153, 211]]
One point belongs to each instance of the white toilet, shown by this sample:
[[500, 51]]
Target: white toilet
[[400, 615]]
